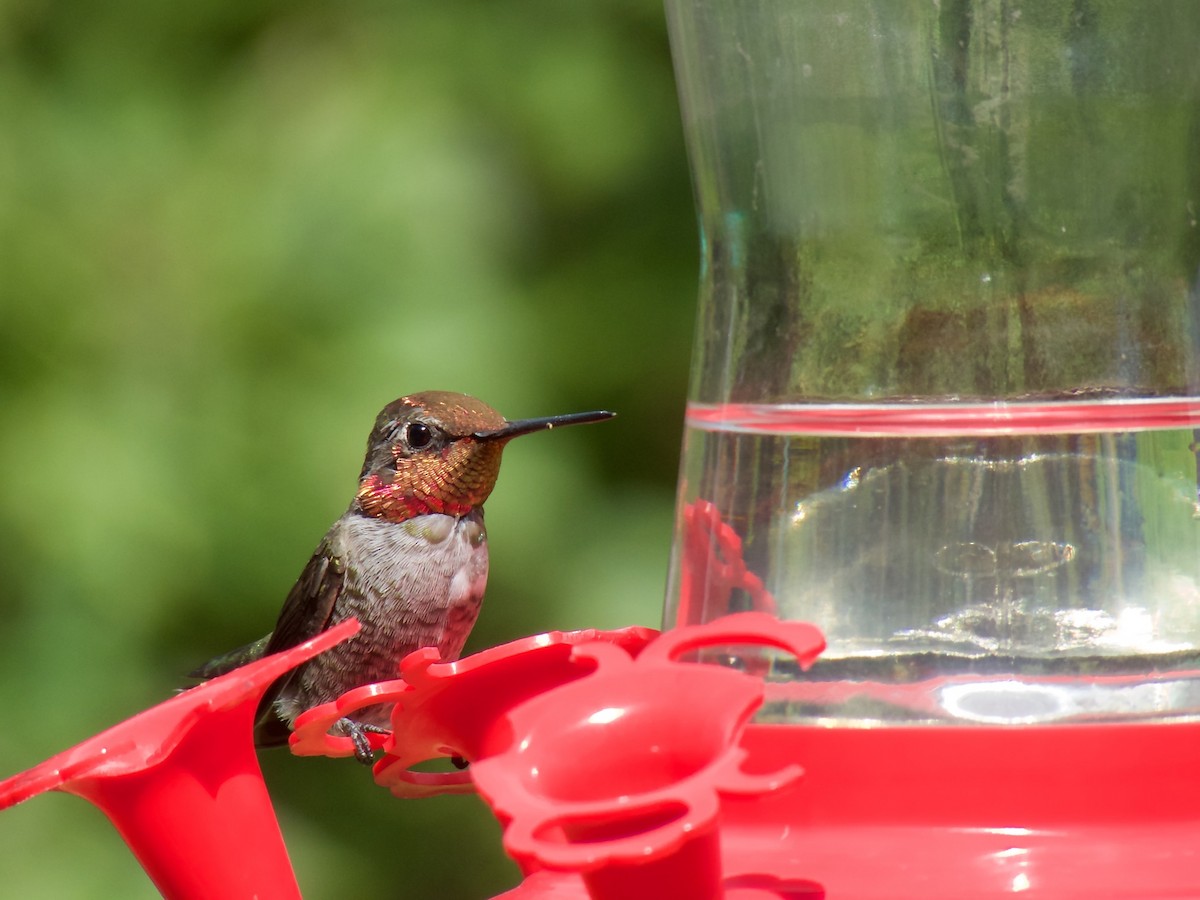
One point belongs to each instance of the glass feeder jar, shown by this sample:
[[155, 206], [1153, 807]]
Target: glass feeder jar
[[946, 383]]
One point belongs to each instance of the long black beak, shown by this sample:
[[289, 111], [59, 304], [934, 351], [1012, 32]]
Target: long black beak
[[527, 426]]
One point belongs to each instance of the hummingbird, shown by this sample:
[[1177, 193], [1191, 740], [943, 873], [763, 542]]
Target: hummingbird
[[408, 559]]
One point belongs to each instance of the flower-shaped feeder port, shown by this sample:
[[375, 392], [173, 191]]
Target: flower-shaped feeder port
[[601, 753], [181, 783], [445, 709], [617, 776]]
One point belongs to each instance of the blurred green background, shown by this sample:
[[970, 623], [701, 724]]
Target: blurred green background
[[231, 232]]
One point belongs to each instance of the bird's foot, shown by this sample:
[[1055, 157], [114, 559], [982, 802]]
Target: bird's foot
[[357, 732]]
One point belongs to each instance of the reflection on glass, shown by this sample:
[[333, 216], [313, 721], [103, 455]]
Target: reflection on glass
[[945, 387]]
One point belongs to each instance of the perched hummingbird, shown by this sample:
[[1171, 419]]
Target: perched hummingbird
[[408, 559]]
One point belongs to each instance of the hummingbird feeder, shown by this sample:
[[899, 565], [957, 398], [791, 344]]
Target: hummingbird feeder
[[933, 611], [945, 407]]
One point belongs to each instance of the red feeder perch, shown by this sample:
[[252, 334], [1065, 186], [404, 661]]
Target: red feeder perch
[[182, 785]]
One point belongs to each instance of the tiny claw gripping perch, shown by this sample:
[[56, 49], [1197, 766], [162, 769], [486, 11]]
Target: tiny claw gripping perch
[[618, 775], [317, 731]]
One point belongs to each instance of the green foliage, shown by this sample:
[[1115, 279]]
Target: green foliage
[[232, 232]]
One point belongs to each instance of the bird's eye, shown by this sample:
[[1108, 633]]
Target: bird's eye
[[418, 435]]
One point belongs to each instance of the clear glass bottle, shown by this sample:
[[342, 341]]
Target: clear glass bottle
[[945, 394]]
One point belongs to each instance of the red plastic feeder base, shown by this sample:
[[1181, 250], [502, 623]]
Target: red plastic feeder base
[[1103, 812]]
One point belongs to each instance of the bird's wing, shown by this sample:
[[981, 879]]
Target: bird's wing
[[309, 605], [305, 614], [234, 659]]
